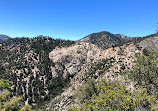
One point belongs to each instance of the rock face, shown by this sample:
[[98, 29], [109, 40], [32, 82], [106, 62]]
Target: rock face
[[76, 57], [105, 39], [84, 60], [4, 37]]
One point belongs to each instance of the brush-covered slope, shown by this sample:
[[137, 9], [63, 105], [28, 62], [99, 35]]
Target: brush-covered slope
[[105, 39]]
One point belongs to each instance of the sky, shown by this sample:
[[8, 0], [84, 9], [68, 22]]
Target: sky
[[75, 19]]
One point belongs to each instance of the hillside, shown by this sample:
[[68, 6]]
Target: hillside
[[85, 60], [98, 64], [46, 72], [106, 39], [25, 62], [4, 37]]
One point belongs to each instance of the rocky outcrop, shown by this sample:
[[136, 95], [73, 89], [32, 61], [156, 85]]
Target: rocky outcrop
[[84, 60], [76, 57]]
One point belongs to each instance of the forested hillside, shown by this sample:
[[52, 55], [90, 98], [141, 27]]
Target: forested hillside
[[25, 62], [102, 71]]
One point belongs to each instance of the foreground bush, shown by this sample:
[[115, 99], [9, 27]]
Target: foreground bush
[[111, 96], [8, 103]]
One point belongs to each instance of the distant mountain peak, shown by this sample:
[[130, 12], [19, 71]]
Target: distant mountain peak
[[4, 37], [105, 39]]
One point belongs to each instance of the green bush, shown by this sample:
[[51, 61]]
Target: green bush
[[145, 72], [112, 96], [8, 103]]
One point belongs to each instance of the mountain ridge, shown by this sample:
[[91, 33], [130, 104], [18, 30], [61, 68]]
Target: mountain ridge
[[4, 37], [46, 71], [106, 39]]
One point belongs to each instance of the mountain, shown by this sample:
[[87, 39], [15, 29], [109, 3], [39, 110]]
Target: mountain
[[106, 39], [4, 37], [87, 59], [47, 72], [25, 62]]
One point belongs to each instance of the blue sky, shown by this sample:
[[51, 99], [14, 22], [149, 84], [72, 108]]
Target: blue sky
[[74, 19]]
